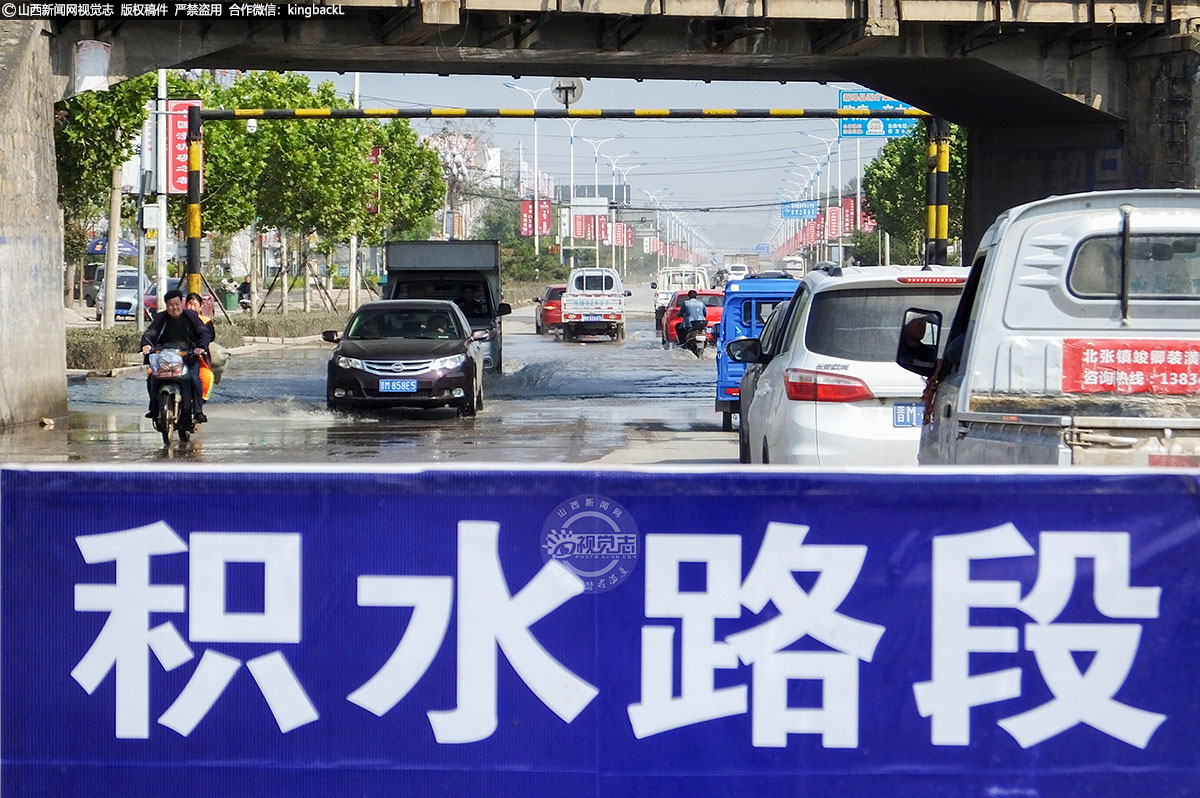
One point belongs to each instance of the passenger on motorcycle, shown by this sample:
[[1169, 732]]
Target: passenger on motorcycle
[[691, 310], [178, 328]]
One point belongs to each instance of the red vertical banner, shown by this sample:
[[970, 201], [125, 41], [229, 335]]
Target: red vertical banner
[[619, 234], [628, 237], [868, 223], [849, 217], [589, 228], [579, 225], [834, 227], [545, 215], [177, 145], [527, 218], [819, 227], [602, 228]]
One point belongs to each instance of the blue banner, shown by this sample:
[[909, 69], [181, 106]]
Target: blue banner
[[598, 633], [862, 127]]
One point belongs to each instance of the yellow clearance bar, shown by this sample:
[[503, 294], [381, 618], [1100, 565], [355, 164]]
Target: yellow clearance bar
[[558, 113]]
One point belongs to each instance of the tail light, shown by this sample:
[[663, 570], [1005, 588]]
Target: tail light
[[931, 280], [823, 386], [550, 305]]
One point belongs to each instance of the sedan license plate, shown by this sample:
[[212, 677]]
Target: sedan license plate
[[908, 414], [593, 317], [397, 386]]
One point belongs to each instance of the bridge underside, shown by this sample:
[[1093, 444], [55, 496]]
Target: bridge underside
[[1054, 104]]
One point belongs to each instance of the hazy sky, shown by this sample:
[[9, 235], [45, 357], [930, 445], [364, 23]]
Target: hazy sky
[[688, 164]]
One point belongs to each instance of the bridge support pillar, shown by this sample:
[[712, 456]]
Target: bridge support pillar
[[31, 246]]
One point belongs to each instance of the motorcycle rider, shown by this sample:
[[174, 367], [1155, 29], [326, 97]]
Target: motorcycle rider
[[178, 328], [692, 310]]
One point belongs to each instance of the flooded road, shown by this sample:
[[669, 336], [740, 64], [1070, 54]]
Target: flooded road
[[595, 402]]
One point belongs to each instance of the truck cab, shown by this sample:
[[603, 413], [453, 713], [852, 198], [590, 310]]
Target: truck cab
[[462, 271], [1077, 339]]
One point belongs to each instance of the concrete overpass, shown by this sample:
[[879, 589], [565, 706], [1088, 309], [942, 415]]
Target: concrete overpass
[[1058, 96]]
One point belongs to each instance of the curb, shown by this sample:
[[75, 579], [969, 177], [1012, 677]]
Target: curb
[[253, 344]]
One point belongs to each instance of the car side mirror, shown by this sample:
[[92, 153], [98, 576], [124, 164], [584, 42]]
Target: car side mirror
[[503, 309], [480, 335], [330, 336], [537, 300], [744, 350], [628, 292], [920, 333], [654, 285]]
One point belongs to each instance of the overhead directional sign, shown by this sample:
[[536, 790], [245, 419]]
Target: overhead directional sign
[[799, 209], [864, 127]]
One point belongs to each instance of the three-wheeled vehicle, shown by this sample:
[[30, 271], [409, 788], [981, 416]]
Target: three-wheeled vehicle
[[748, 302]]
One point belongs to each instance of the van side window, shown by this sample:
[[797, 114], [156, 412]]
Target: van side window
[[968, 309]]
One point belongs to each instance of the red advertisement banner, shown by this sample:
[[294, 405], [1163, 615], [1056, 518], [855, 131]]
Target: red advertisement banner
[[527, 218], [1127, 365], [177, 145], [848, 215], [545, 217]]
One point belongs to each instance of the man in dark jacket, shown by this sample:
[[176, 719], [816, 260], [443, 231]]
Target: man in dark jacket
[[178, 328]]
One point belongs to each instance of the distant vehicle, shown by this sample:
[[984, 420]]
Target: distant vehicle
[[594, 304], [714, 303], [451, 270], [548, 316], [130, 290], [736, 271], [150, 302], [675, 278], [406, 353], [748, 303], [833, 394], [1083, 351]]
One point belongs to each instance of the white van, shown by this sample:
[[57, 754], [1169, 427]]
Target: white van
[[1077, 340], [594, 304]]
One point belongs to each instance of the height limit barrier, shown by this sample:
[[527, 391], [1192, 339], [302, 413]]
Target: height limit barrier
[[197, 116]]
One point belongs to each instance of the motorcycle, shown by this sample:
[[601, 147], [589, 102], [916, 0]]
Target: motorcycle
[[168, 375], [696, 338]]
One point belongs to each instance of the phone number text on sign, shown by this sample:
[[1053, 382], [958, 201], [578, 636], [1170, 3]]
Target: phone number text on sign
[[1131, 366]]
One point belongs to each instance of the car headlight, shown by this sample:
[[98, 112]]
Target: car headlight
[[350, 363], [447, 363]]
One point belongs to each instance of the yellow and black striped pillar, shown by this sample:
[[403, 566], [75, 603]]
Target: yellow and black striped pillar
[[937, 191], [192, 283]]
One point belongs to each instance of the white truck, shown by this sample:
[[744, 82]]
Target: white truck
[[681, 277], [594, 304], [1077, 340]]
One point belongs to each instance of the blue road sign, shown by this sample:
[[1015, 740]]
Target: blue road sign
[[873, 128], [763, 249], [800, 209]]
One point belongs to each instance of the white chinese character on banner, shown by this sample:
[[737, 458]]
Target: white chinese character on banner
[[1080, 696], [122, 642], [801, 613], [489, 617]]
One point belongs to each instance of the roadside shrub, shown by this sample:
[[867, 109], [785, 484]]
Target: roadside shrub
[[295, 324], [98, 350]]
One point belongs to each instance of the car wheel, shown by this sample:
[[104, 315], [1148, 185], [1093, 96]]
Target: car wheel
[[467, 410], [537, 329], [727, 421], [621, 333], [766, 454], [479, 398], [567, 337], [743, 443]]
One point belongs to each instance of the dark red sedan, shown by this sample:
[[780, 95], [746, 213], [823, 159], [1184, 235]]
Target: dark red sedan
[[548, 316]]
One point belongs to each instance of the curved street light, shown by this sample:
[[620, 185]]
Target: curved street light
[[534, 96]]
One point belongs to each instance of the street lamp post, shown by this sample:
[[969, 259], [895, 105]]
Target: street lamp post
[[571, 123], [612, 206], [625, 170], [534, 96], [596, 144], [828, 178]]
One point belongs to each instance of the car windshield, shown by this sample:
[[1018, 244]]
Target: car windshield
[[127, 281], [554, 293], [403, 323], [864, 323]]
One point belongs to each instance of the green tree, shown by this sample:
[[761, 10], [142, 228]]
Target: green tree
[[409, 185], [894, 189], [93, 133]]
